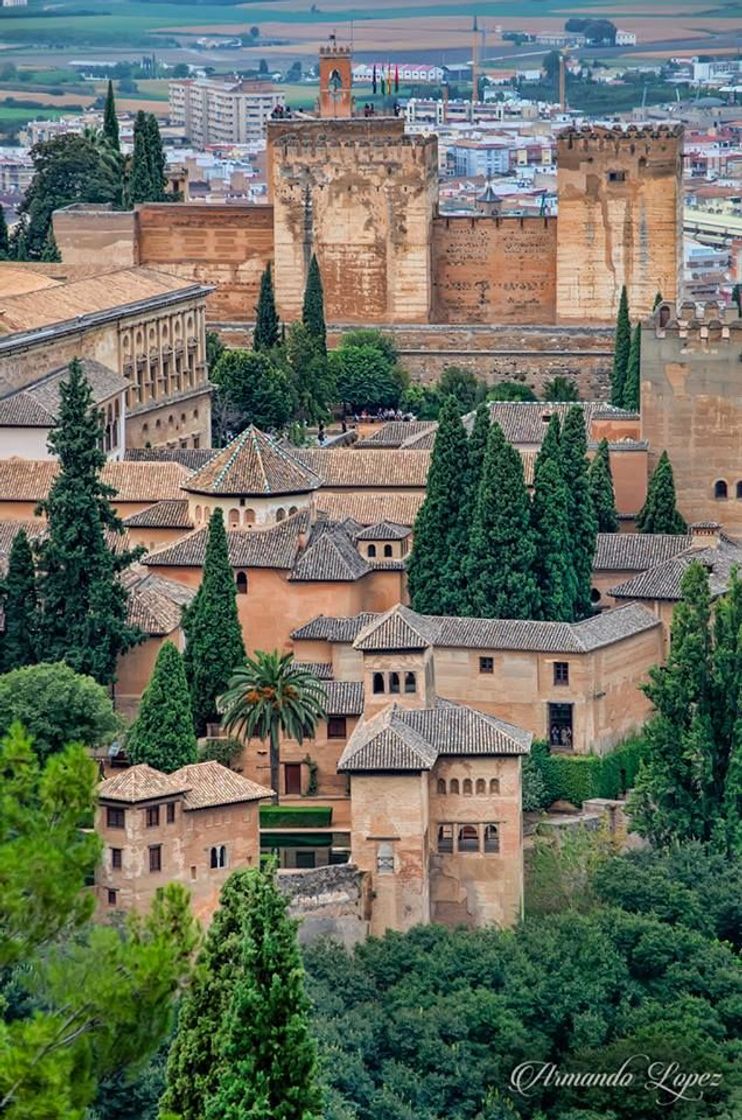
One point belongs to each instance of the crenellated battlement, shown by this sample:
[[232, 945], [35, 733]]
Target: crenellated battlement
[[591, 135], [697, 322]]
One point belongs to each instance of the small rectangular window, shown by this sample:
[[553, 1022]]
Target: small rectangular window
[[616, 176], [170, 812], [486, 664], [112, 897], [116, 859], [337, 727], [115, 818], [153, 816], [561, 672], [155, 857]]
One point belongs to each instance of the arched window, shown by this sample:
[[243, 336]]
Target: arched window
[[234, 518], [454, 785], [394, 682], [481, 785], [249, 517], [720, 489], [378, 683], [387, 550], [494, 785], [468, 838], [197, 513], [491, 838], [371, 551], [664, 316], [441, 785], [218, 856], [292, 511], [445, 837], [241, 582], [739, 490], [410, 682], [467, 787], [280, 513], [594, 595]]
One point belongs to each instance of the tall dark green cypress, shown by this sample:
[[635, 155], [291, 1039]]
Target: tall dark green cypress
[[601, 489], [456, 602], [552, 538], [632, 385], [50, 251], [162, 735], [621, 348], [214, 646], [313, 312], [267, 333], [270, 1066], [659, 514], [501, 580], [155, 157], [140, 178], [4, 239], [19, 644], [436, 525], [84, 618], [110, 119], [582, 520]]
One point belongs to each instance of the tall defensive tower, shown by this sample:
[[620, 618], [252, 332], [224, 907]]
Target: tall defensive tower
[[335, 80]]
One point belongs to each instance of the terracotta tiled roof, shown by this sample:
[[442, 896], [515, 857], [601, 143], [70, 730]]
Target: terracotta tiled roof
[[395, 432], [21, 411], [422, 441], [155, 603], [29, 480], [191, 457], [663, 581], [169, 514], [253, 464], [329, 556], [384, 531], [525, 422], [275, 547], [368, 509], [331, 629], [322, 670], [636, 551], [142, 783], [104, 383], [17, 281], [398, 628], [10, 528], [368, 469], [344, 698], [211, 784], [404, 739]]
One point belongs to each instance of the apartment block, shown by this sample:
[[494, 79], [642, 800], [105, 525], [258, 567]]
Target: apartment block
[[223, 112]]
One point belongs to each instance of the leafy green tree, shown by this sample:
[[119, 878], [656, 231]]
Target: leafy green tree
[[110, 119], [269, 1065], [253, 389], [162, 734], [313, 312], [437, 521], [632, 385], [552, 537], [269, 696], [581, 514], [659, 514], [621, 348], [561, 389], [84, 618], [4, 241], [267, 333], [366, 336], [19, 644], [313, 376], [365, 378], [511, 391], [214, 349], [214, 646], [600, 478], [464, 385], [57, 706], [500, 565], [93, 999]]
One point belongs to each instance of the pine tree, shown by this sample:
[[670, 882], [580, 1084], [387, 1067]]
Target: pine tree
[[196, 1058], [659, 513], [110, 119], [552, 538], [582, 520], [269, 1066], [4, 239], [21, 607], [456, 566], [501, 581], [313, 313], [162, 734], [632, 385], [84, 617], [436, 525], [267, 332], [214, 646], [621, 348], [601, 489], [140, 188], [155, 158]]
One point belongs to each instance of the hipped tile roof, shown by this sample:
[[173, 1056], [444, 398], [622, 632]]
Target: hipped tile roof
[[384, 531], [211, 784], [636, 551], [368, 469], [330, 555], [663, 581], [141, 783], [29, 480], [395, 432], [368, 509], [344, 698], [255, 465], [169, 514], [398, 628], [191, 457], [155, 604]]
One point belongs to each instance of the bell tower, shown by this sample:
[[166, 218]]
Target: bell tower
[[335, 80]]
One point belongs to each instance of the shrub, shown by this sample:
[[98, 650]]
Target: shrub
[[579, 778], [295, 816], [224, 751]]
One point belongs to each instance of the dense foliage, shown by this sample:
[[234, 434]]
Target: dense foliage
[[253, 387], [581, 514], [162, 735], [659, 514], [600, 478], [19, 645], [267, 333], [365, 378], [147, 179]]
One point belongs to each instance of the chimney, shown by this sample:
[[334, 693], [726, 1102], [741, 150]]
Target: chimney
[[705, 534]]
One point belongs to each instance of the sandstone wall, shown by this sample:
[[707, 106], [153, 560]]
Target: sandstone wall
[[329, 902], [494, 270], [89, 233], [228, 245]]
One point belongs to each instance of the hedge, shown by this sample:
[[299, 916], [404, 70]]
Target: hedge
[[579, 778], [295, 816]]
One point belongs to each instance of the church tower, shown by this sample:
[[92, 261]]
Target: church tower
[[335, 80]]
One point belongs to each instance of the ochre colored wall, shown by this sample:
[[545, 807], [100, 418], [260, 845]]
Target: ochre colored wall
[[85, 235], [494, 270], [228, 245]]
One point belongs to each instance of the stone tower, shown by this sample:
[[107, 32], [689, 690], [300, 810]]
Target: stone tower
[[335, 80], [620, 219]]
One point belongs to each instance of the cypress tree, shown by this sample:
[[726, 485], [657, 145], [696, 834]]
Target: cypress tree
[[582, 520], [267, 332], [162, 734], [632, 385], [459, 546], [621, 348], [110, 119], [269, 1057], [551, 445], [4, 239], [659, 513], [501, 581], [214, 646], [140, 179], [21, 607], [155, 158], [84, 615], [551, 532], [436, 525], [50, 252], [601, 489], [313, 312]]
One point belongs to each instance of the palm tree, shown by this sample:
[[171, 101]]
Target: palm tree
[[270, 695]]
